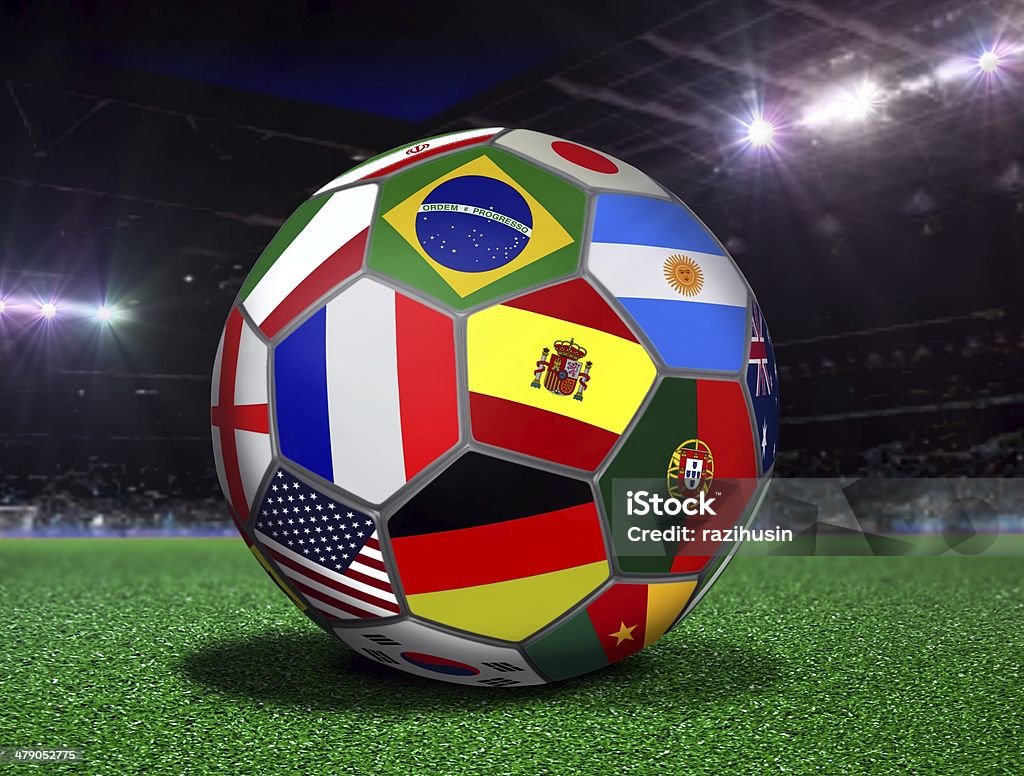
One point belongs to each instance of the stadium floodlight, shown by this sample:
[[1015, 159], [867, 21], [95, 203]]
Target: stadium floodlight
[[48, 310], [845, 105], [989, 61], [862, 100], [104, 314], [760, 132]]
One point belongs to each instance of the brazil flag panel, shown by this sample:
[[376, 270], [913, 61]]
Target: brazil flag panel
[[621, 621], [555, 374], [476, 225], [684, 416], [497, 548]]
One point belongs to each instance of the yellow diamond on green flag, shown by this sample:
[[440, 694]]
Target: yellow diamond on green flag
[[462, 226]]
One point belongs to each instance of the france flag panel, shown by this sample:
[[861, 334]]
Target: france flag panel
[[674, 280], [355, 381]]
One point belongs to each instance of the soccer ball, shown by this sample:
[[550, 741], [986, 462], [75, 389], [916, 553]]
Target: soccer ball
[[464, 387]]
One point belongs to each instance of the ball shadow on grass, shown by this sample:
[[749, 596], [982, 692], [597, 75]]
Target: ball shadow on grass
[[312, 671]]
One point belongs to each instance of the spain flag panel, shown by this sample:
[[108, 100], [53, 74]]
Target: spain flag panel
[[618, 623], [475, 225], [687, 420], [498, 548], [555, 374]]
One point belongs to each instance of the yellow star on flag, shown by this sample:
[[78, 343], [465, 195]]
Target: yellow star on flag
[[623, 634]]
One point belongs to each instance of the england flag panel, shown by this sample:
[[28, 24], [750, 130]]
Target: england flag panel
[[239, 415]]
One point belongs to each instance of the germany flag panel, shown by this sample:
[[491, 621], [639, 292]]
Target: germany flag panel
[[498, 548], [622, 620], [703, 421], [555, 374]]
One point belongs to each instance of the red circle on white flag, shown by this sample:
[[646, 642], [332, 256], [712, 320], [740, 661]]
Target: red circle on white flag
[[584, 157]]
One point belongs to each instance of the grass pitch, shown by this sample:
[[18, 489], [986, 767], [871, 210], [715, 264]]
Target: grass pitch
[[180, 656]]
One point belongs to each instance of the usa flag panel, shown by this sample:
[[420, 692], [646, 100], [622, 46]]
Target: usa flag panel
[[328, 551]]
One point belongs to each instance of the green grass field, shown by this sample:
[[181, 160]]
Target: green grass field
[[180, 656]]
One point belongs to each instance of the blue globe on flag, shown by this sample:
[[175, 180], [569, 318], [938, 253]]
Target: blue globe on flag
[[444, 382]]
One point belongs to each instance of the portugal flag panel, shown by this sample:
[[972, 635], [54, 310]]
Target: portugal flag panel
[[555, 374], [365, 390], [239, 414], [475, 225], [497, 548], [321, 244], [688, 414], [621, 621]]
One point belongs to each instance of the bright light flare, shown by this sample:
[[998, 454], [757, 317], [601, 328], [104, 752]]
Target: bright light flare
[[3, 306], [862, 100], [104, 314], [760, 132], [989, 61], [845, 105], [48, 310]]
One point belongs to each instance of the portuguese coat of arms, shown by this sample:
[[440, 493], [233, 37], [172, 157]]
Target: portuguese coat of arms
[[692, 466], [565, 371]]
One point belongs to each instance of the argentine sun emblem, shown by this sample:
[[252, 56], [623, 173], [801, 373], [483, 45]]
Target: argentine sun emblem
[[565, 371], [692, 466], [683, 274]]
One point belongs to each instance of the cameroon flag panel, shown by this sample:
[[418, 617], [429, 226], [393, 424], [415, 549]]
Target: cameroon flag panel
[[621, 621], [555, 374], [476, 225], [497, 548], [708, 414]]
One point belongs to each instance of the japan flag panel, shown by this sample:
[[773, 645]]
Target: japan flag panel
[[422, 650], [589, 167]]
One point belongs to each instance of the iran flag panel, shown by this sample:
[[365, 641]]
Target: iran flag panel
[[320, 245], [239, 414], [414, 152], [590, 167], [422, 650], [365, 389]]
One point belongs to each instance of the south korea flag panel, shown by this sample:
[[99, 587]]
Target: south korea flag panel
[[418, 649], [239, 415], [589, 167]]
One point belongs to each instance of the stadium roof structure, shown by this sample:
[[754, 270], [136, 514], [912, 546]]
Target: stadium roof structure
[[159, 151]]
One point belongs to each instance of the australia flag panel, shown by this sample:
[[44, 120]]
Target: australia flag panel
[[763, 381], [329, 552]]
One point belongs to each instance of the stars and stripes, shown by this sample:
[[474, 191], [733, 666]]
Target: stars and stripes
[[328, 551], [759, 354]]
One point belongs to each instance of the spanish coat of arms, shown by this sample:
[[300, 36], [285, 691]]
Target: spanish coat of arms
[[565, 372]]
